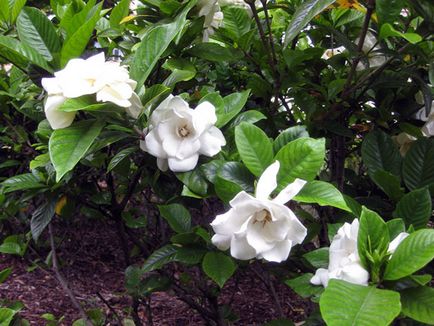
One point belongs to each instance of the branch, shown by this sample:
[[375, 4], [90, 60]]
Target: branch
[[63, 281]]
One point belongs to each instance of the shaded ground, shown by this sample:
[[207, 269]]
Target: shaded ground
[[92, 262]]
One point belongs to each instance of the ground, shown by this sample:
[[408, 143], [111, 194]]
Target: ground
[[93, 264]]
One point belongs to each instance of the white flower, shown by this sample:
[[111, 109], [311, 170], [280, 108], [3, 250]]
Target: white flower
[[178, 134], [107, 79], [332, 52], [371, 48], [210, 9], [404, 142], [396, 242], [344, 260], [259, 226]]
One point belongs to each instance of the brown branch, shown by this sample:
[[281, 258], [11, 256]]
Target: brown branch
[[63, 281], [110, 308]]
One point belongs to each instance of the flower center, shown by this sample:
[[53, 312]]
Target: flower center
[[263, 217], [183, 131]]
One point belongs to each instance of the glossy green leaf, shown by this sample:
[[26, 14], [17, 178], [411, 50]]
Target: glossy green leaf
[[346, 304], [41, 217], [4, 274], [418, 168], [288, 135], [387, 30], [119, 157], [11, 49], [67, 146], [303, 15], [415, 208], [236, 22], [36, 31], [153, 45], [21, 182], [215, 52], [177, 216], [118, 13], [379, 152], [389, 183], [373, 236], [418, 304], [322, 193], [301, 158], [159, 258], [6, 316], [15, 8], [194, 181], [218, 267], [77, 42], [413, 253], [388, 10], [254, 147], [318, 258], [233, 104], [302, 286]]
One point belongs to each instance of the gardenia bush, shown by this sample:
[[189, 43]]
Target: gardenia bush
[[289, 141]]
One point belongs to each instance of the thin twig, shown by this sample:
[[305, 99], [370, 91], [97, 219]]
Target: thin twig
[[63, 281], [110, 308]]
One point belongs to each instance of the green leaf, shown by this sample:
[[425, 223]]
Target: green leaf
[[415, 208], [418, 168], [194, 181], [11, 50], [373, 237], [395, 227], [41, 217], [22, 182], [318, 258], [388, 10], [302, 286], [225, 189], [251, 116], [177, 216], [182, 70], [236, 22], [379, 152], [233, 104], [36, 31], [81, 103], [418, 304], [218, 267], [190, 256], [15, 8], [389, 183], [288, 135], [67, 146], [322, 193], [4, 11], [119, 157], [77, 42], [215, 52], [118, 13], [154, 43], [301, 158], [4, 274], [413, 253], [254, 147], [6, 314], [160, 258], [346, 304], [238, 174], [387, 30], [303, 15]]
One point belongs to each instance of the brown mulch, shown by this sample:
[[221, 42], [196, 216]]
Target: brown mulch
[[93, 264]]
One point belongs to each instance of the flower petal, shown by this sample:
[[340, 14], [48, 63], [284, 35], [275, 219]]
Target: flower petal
[[223, 242], [354, 273], [187, 147], [162, 164], [203, 117], [57, 119], [279, 252], [289, 191], [51, 86], [267, 182], [114, 95], [136, 106], [240, 248], [257, 238], [297, 231], [158, 115], [183, 165], [152, 145], [229, 222], [321, 277], [211, 141], [396, 242]]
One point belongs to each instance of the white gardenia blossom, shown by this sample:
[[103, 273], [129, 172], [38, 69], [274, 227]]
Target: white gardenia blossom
[[396, 242], [257, 226], [107, 79], [177, 134], [371, 48], [344, 260], [210, 9], [332, 52]]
